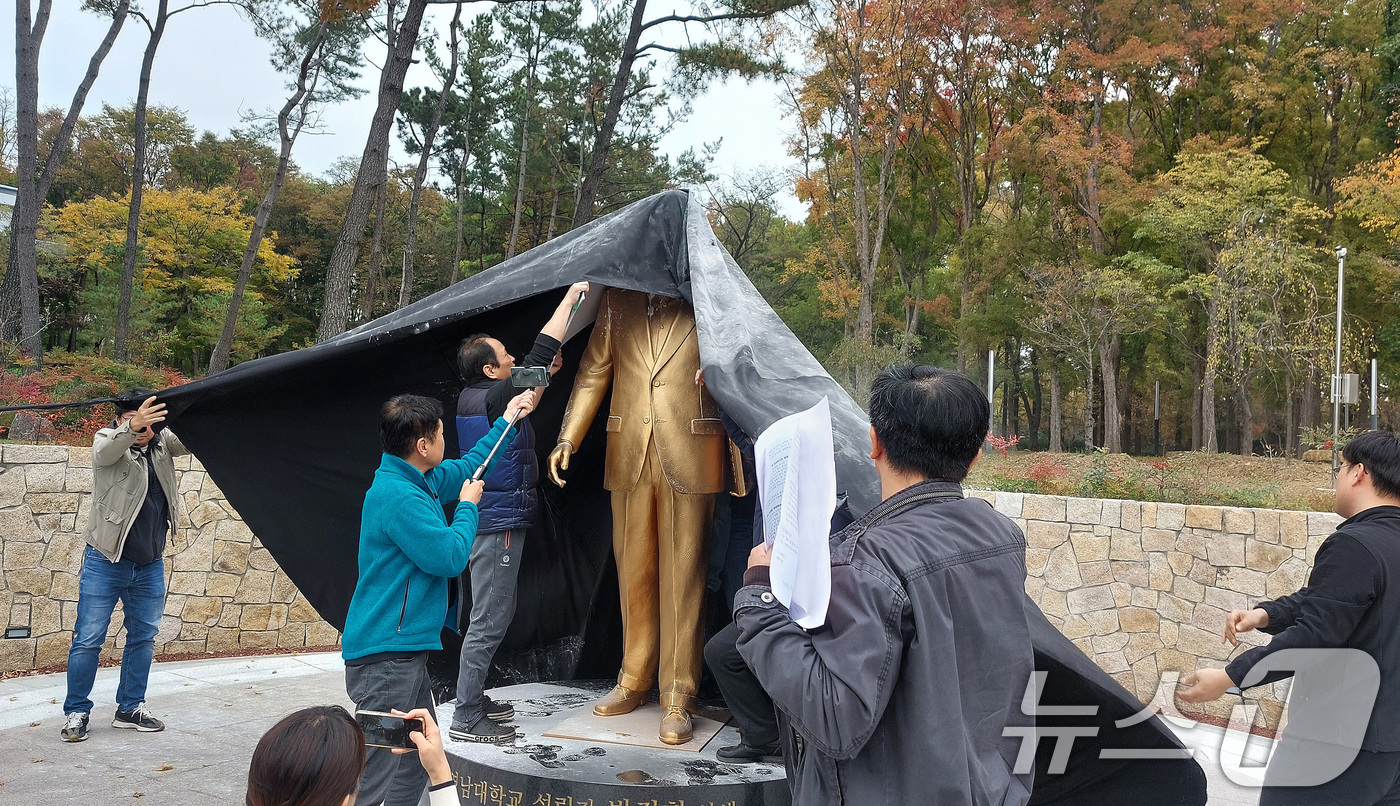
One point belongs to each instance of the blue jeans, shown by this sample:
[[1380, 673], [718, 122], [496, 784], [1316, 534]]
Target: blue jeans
[[141, 589]]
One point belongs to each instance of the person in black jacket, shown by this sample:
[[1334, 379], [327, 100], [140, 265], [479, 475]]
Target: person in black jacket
[[508, 507], [1349, 602], [911, 691]]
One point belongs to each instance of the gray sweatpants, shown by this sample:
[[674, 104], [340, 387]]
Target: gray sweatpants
[[494, 565], [395, 780]]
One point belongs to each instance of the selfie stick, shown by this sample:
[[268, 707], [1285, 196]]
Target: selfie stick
[[481, 471]]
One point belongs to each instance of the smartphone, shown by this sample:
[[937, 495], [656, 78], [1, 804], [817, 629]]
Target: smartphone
[[387, 730], [529, 377]]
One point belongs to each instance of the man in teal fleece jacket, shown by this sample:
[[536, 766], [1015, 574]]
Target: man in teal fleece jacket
[[408, 552]]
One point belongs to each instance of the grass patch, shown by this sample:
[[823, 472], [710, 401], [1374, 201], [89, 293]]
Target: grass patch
[[1180, 477]]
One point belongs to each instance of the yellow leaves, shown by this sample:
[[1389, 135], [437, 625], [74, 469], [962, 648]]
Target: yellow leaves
[[338, 10], [838, 297], [190, 238], [1372, 195]]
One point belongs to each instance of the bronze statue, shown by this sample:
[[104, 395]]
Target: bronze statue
[[665, 461]]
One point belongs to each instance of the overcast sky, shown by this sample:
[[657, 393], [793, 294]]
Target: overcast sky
[[211, 66]]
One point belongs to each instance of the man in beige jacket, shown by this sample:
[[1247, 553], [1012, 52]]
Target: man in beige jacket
[[134, 509]]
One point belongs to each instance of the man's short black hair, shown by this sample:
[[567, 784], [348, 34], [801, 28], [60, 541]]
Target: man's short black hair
[[1379, 451], [131, 399], [931, 421], [406, 419], [474, 353]]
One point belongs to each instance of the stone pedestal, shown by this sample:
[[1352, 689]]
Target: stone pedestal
[[556, 771]]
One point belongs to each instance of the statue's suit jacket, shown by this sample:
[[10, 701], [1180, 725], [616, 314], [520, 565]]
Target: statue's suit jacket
[[652, 399]]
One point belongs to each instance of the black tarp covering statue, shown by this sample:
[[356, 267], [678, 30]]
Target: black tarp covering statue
[[292, 440]]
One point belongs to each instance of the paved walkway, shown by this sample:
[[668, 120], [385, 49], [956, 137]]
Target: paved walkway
[[216, 711]]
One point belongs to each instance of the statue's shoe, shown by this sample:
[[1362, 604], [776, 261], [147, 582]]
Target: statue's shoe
[[621, 700], [675, 726]]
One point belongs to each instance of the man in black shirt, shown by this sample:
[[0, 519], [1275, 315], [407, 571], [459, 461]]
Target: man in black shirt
[[507, 509], [134, 509], [1349, 602]]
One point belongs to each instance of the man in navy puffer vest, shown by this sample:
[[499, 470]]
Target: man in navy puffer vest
[[507, 509]]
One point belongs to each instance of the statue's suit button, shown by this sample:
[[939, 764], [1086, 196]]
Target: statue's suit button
[[658, 383], [646, 420]]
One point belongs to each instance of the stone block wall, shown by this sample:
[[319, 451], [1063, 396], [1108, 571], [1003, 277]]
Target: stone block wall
[[1141, 588], [224, 590], [1144, 588]]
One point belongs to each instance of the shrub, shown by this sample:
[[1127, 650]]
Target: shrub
[[1045, 469], [71, 377], [1014, 484]]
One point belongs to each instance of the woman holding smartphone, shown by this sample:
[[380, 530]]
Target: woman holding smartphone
[[315, 757]]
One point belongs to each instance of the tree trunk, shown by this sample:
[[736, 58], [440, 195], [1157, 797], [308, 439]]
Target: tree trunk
[[1290, 414], [523, 160], [138, 178], [481, 230], [1035, 402], [1091, 191], [553, 205], [341, 269], [602, 144], [1198, 375], [913, 308], [376, 256], [1057, 396], [1109, 352], [1089, 402], [1210, 444], [218, 360], [964, 356], [1310, 403], [1012, 395], [1125, 384], [287, 136], [457, 243], [29, 34], [1244, 409], [23, 259], [421, 174]]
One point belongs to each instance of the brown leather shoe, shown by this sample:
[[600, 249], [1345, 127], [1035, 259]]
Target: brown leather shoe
[[621, 700], [675, 726]]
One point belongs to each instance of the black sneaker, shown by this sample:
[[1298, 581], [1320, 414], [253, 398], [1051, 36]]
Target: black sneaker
[[744, 754], [75, 728], [497, 711], [482, 731], [137, 718]]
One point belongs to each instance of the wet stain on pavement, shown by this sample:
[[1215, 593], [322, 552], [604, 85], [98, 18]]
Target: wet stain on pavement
[[546, 755], [552, 704], [640, 777], [704, 771]]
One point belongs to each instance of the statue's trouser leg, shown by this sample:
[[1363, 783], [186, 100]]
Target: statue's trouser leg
[[683, 540], [634, 549], [660, 541]]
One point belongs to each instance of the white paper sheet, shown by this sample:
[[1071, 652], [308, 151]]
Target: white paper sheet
[[797, 490]]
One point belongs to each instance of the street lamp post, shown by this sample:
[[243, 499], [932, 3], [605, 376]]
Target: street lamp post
[[1375, 392], [1337, 370], [1157, 419], [991, 390]]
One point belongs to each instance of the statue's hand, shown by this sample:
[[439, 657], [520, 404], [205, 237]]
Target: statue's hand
[[559, 462]]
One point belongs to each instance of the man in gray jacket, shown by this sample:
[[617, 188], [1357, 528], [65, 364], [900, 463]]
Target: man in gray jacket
[[134, 508], [905, 694]]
